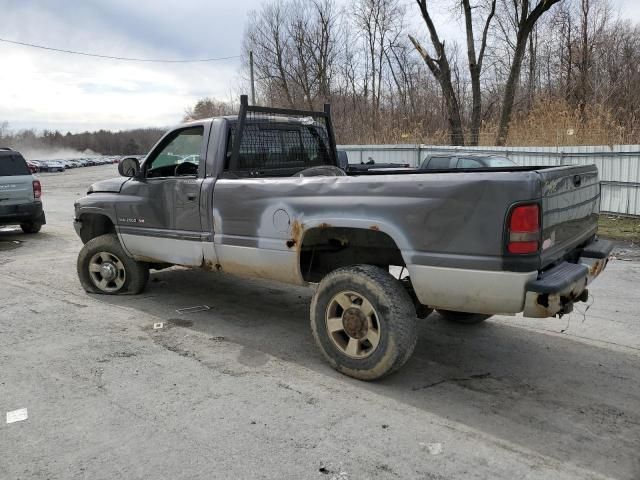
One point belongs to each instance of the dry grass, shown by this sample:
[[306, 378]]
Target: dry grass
[[548, 123], [620, 228]]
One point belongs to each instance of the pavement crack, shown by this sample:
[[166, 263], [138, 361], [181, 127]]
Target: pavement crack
[[478, 376]]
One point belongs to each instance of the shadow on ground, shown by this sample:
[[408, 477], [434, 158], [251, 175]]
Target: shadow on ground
[[569, 400]]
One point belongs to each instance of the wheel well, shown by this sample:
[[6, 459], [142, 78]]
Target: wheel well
[[326, 249], [94, 225]]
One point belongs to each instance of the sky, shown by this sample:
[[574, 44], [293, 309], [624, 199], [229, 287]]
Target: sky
[[49, 90]]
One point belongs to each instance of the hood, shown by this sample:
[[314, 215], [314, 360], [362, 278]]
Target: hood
[[113, 185]]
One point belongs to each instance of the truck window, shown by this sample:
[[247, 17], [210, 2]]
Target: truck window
[[469, 163], [180, 155], [280, 149], [13, 165], [438, 163]]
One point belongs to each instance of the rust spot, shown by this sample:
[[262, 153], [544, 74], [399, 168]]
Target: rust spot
[[595, 268], [291, 243], [296, 231], [324, 225], [208, 265], [375, 228]]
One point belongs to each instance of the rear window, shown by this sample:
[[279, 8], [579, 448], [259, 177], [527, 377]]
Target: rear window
[[275, 149], [13, 165]]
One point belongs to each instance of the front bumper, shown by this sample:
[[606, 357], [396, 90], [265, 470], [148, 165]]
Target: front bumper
[[555, 290], [24, 213]]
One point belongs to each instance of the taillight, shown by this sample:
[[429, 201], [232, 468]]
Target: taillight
[[524, 229], [37, 189]]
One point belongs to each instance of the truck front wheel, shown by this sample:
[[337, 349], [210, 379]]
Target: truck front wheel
[[363, 321], [104, 267]]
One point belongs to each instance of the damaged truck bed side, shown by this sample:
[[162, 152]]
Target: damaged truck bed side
[[262, 195]]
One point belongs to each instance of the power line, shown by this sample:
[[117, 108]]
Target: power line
[[127, 59]]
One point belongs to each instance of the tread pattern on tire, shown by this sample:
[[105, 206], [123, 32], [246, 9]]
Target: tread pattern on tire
[[137, 272], [399, 320]]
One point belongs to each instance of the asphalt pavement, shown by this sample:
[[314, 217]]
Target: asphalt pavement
[[239, 391]]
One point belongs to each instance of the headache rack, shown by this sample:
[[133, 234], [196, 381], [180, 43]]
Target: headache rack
[[279, 142]]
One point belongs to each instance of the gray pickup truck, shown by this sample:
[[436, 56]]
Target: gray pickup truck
[[263, 195]]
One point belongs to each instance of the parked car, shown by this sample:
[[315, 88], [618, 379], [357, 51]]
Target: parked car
[[446, 161], [51, 166], [263, 196], [20, 193], [33, 167]]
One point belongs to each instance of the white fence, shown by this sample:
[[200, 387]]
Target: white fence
[[619, 165]]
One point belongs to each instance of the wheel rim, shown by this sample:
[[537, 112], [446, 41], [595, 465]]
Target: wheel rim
[[107, 272], [353, 324]]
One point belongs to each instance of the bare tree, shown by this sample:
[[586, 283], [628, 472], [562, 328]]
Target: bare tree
[[475, 62], [441, 70], [526, 18]]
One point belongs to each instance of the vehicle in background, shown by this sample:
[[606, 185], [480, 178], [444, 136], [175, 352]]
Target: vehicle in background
[[20, 193], [263, 196], [51, 166], [448, 161], [33, 167], [343, 163], [371, 165]]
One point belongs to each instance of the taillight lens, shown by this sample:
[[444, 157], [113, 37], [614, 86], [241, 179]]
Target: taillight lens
[[524, 229], [37, 189]]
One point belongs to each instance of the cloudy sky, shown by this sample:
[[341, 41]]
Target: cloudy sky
[[44, 89]]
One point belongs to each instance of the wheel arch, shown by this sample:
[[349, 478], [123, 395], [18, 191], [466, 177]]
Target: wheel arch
[[94, 224], [327, 246]]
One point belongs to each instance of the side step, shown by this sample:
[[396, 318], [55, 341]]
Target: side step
[[598, 249], [558, 278]]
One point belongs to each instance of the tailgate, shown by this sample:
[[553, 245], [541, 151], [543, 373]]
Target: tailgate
[[570, 207], [16, 190]]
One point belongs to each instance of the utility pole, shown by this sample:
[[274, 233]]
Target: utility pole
[[253, 82]]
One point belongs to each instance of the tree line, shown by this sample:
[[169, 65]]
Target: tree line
[[105, 142], [521, 71]]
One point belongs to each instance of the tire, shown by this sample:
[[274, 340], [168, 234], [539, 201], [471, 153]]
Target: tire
[[375, 334], [31, 227], [463, 317], [105, 268]]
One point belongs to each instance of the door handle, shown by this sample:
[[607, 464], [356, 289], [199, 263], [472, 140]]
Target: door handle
[[191, 196]]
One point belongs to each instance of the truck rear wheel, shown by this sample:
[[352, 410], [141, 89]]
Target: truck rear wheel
[[463, 317], [31, 227], [363, 321], [104, 267]]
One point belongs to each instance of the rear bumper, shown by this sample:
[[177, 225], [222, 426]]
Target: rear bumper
[[538, 294], [28, 212], [555, 291]]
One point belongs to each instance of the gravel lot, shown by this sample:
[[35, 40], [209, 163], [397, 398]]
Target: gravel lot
[[240, 391]]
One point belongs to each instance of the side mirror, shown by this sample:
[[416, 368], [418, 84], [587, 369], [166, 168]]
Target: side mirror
[[343, 160], [129, 167]]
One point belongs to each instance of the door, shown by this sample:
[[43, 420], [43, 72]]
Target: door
[[159, 219]]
